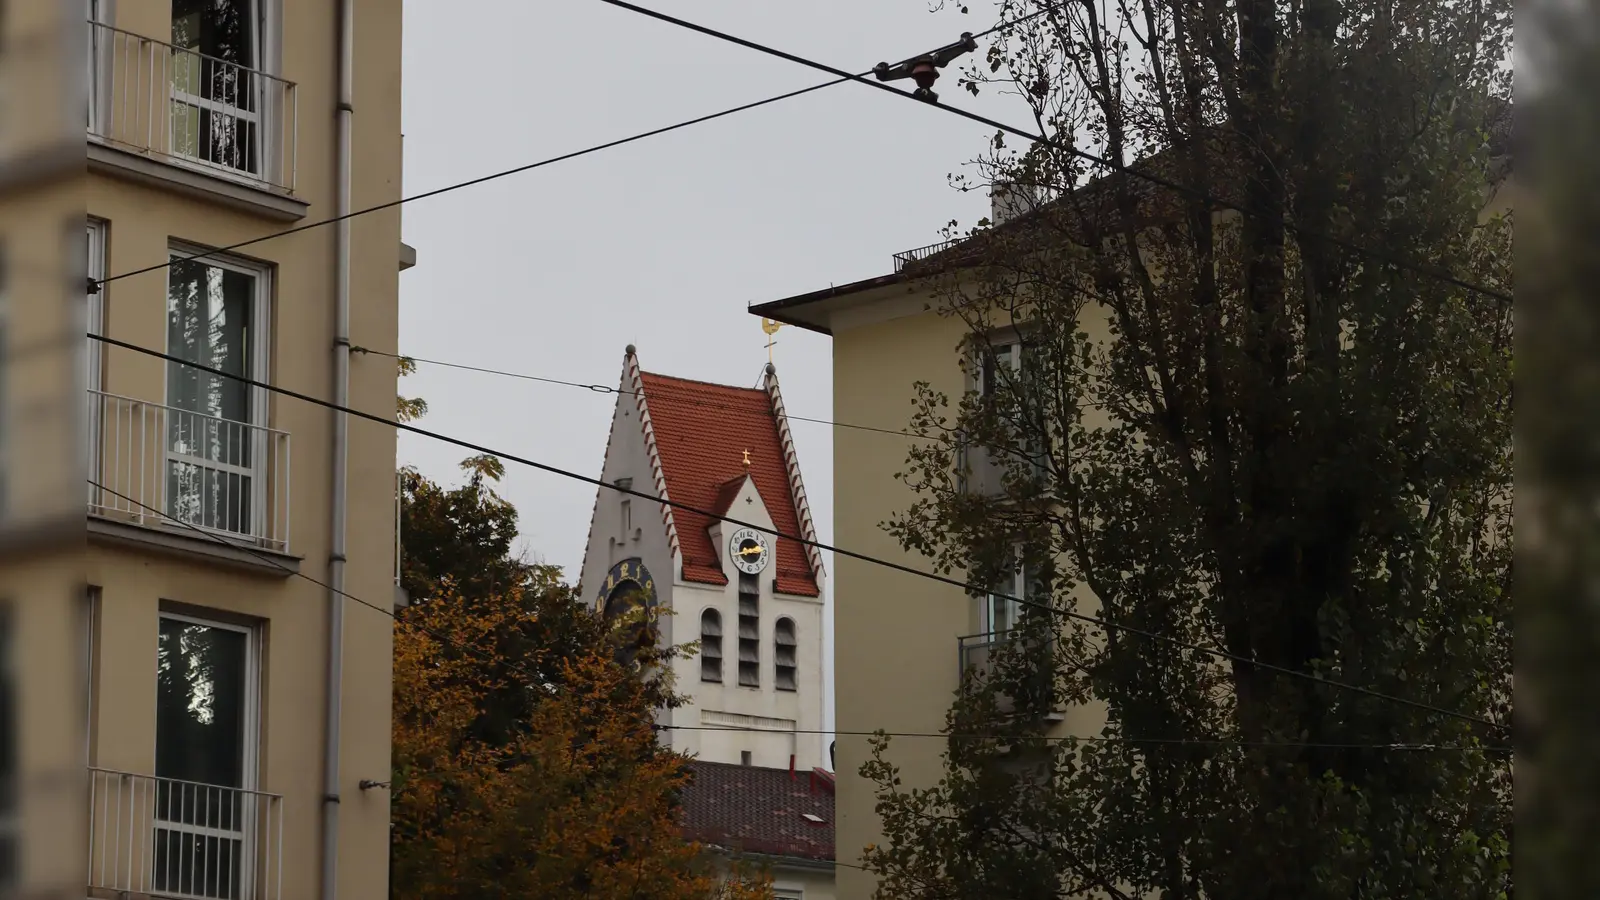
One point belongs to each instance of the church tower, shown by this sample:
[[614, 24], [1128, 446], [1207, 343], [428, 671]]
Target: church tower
[[735, 580]]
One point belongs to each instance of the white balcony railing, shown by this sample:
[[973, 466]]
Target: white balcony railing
[[165, 467], [168, 838], [189, 108]]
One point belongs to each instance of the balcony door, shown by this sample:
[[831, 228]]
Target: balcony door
[[217, 87], [205, 817], [215, 445]]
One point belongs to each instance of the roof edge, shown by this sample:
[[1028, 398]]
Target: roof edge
[[594, 512], [783, 310], [797, 488], [651, 450]]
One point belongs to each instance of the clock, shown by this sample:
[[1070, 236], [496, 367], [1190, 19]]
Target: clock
[[750, 550], [627, 586]]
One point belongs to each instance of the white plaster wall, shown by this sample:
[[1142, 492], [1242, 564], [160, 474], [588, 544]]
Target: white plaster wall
[[646, 540], [770, 721], [766, 717]]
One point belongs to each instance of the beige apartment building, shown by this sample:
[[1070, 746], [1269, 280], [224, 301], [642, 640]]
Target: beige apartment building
[[886, 339], [236, 718], [887, 336]]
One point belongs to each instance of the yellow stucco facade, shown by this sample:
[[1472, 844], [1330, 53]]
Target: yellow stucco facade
[[896, 635], [192, 695]]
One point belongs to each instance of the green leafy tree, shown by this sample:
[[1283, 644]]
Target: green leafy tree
[[1558, 422], [1241, 432], [464, 534]]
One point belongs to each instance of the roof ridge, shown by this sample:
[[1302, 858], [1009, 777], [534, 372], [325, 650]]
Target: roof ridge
[[716, 384]]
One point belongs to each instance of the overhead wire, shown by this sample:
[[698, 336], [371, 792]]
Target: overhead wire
[[836, 550], [607, 389], [96, 283], [1085, 155], [1095, 739], [213, 537]]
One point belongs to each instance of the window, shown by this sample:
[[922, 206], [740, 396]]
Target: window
[[91, 685], [10, 826], [216, 317], [6, 423], [1000, 374], [205, 757], [784, 648], [1002, 610], [217, 91], [749, 630], [627, 519], [94, 306], [94, 300], [711, 646]]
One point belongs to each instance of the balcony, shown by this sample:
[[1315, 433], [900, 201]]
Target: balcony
[[190, 110], [161, 467], [907, 257], [161, 837], [1021, 657]]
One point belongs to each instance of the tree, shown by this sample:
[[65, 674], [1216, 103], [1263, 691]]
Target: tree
[[1241, 430], [574, 799], [463, 535], [525, 758]]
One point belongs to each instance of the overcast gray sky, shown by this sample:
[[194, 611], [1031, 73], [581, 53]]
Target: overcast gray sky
[[662, 243]]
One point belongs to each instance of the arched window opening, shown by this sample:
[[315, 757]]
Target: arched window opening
[[711, 646], [785, 650]]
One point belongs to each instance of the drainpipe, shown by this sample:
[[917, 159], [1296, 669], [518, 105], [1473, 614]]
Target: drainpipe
[[341, 454]]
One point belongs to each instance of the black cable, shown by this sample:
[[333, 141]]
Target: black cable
[[246, 548], [470, 183], [1210, 742], [1380, 256], [840, 551], [446, 639], [95, 284], [606, 389]]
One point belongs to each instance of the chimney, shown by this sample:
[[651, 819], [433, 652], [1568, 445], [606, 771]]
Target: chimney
[[1008, 200]]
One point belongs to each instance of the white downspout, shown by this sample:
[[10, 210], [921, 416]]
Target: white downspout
[[341, 454]]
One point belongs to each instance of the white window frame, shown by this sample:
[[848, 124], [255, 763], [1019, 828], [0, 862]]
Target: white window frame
[[250, 765], [252, 686], [1016, 587], [10, 818], [265, 117], [6, 382], [260, 370], [1005, 347], [91, 687], [94, 315]]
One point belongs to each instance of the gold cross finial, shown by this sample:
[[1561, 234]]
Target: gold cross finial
[[747, 459], [770, 326]]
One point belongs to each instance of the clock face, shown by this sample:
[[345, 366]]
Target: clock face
[[750, 550]]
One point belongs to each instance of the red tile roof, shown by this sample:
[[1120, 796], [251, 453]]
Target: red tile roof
[[701, 432], [757, 810]]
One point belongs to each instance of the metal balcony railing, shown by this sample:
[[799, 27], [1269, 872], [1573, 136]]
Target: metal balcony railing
[[906, 257], [156, 465], [168, 838], [980, 651], [164, 101]]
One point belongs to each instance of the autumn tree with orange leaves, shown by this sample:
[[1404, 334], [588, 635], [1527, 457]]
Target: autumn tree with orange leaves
[[525, 759]]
